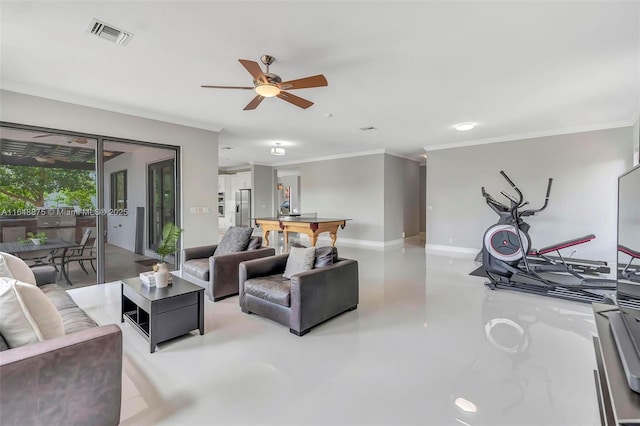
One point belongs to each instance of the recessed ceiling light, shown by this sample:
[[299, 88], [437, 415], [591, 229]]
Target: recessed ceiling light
[[466, 405], [463, 127]]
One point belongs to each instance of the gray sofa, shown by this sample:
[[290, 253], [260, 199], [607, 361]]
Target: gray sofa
[[219, 274], [306, 300], [75, 379]]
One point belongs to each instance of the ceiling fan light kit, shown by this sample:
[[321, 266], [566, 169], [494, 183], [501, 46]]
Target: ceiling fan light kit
[[277, 150], [267, 90], [269, 85]]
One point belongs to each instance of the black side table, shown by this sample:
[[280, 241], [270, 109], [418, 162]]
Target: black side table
[[161, 314]]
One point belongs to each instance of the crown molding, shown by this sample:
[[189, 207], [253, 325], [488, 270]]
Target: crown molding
[[329, 157], [339, 156], [532, 135], [58, 96]]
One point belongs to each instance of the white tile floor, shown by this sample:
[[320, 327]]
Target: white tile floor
[[427, 345]]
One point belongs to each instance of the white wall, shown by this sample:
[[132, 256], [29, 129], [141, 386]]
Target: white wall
[[199, 168], [584, 166], [401, 197], [122, 229]]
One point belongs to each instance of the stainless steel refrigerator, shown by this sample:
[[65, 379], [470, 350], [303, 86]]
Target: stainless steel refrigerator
[[243, 208]]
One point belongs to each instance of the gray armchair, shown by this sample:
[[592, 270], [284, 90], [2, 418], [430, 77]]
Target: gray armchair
[[306, 300], [219, 274]]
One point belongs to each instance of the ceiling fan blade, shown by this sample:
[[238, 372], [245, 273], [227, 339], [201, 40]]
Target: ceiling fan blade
[[254, 70], [305, 83], [226, 87], [254, 103], [296, 100]]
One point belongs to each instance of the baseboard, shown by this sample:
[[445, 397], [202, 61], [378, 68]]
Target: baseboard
[[351, 242], [460, 251]]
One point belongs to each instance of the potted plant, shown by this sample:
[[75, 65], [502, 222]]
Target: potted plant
[[38, 239], [168, 245]]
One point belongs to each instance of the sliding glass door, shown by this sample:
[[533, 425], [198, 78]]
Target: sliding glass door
[[162, 199], [104, 199]]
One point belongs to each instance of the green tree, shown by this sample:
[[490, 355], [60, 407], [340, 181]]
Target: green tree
[[33, 184], [9, 204], [80, 198]]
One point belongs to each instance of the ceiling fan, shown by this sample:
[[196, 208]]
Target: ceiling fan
[[70, 139], [268, 85], [50, 160]]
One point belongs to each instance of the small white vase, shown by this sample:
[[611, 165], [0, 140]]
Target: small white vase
[[162, 275]]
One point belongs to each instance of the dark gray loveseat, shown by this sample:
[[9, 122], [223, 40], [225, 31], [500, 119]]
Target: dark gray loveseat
[[219, 274], [306, 300], [74, 379]]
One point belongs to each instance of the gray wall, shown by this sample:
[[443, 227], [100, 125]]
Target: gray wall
[[379, 192], [262, 194], [199, 149], [423, 199], [584, 166], [347, 188], [401, 197], [636, 138]]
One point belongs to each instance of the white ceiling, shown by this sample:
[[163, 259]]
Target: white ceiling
[[411, 69]]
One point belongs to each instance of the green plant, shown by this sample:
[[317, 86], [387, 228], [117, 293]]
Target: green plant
[[38, 236], [170, 236]]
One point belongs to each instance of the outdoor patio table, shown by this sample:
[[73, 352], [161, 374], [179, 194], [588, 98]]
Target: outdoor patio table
[[52, 244]]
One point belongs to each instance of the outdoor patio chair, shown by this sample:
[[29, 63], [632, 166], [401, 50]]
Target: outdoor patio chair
[[85, 251]]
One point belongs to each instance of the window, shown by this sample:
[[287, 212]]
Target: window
[[119, 191]]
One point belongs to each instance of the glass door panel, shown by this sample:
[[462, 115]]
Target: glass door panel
[[162, 189], [49, 195]]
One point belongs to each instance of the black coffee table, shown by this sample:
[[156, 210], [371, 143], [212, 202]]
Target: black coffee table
[[161, 314]]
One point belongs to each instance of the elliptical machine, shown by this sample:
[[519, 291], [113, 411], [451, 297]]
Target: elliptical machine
[[509, 262]]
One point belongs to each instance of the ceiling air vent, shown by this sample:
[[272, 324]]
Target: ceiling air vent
[[109, 32]]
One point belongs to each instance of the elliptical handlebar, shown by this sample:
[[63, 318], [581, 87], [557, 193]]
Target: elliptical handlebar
[[495, 205], [499, 207], [513, 185], [544, 206]]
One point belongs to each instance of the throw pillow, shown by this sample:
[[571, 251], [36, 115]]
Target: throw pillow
[[299, 260], [325, 256], [255, 243], [28, 316], [3, 344], [14, 267], [234, 240]]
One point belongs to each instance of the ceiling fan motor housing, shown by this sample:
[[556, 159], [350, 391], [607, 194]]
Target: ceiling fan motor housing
[[271, 78]]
